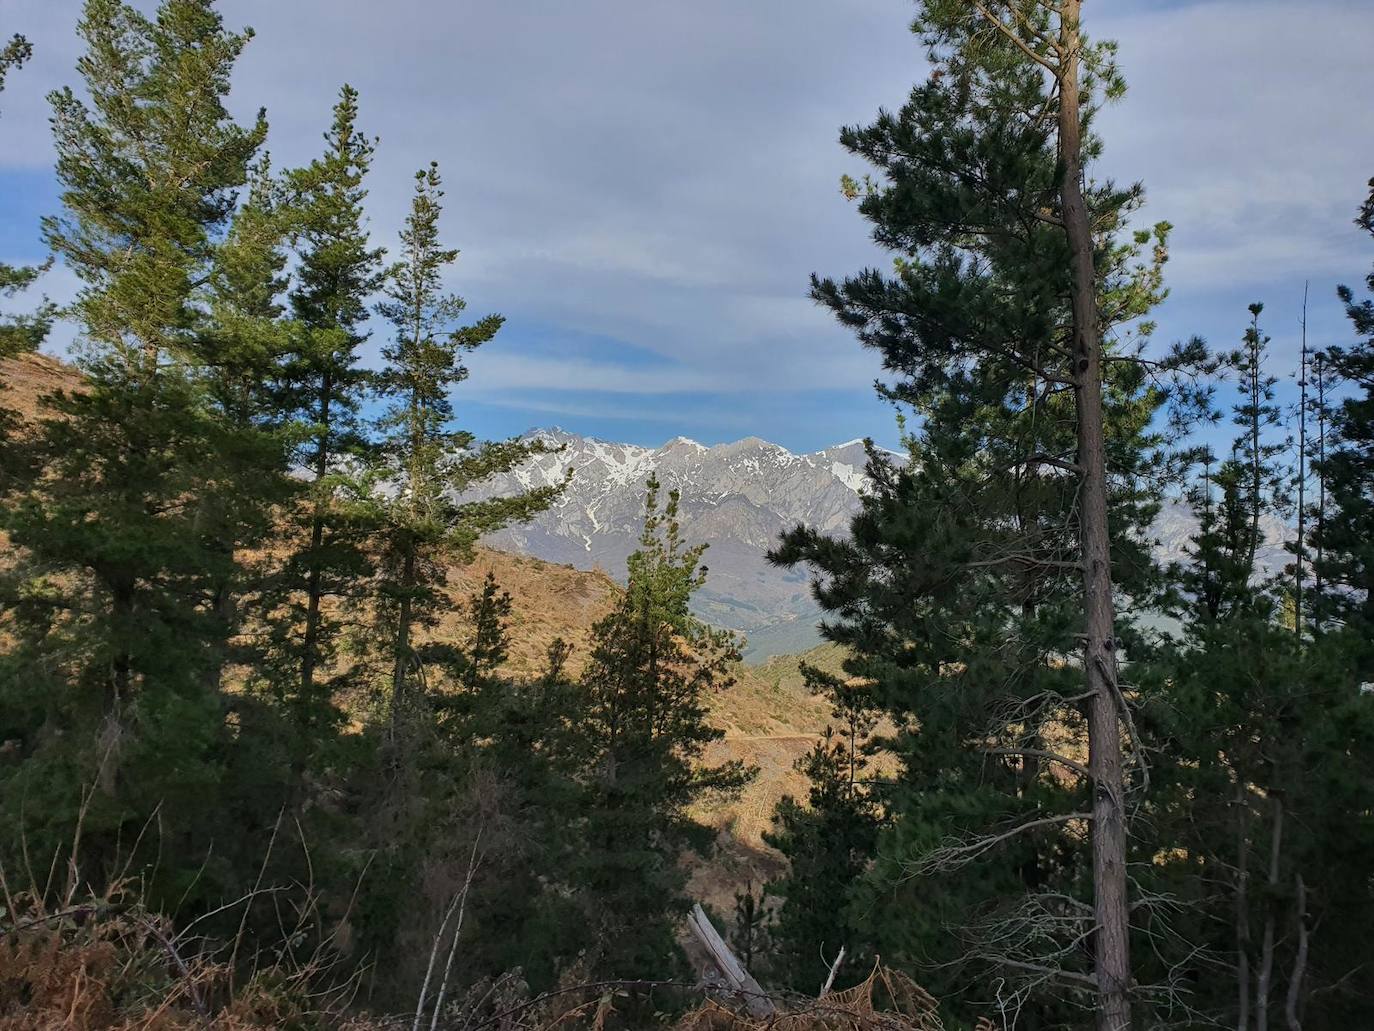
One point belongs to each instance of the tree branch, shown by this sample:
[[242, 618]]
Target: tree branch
[[1037, 753], [952, 856], [1021, 44]]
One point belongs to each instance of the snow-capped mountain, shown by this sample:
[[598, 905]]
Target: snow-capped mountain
[[737, 498]]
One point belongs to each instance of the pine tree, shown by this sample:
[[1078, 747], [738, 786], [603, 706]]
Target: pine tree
[[749, 930], [150, 169], [643, 732], [1258, 413], [828, 844], [427, 482], [488, 613], [244, 350], [514, 735], [1239, 708], [1344, 537], [979, 587], [432, 470], [324, 387]]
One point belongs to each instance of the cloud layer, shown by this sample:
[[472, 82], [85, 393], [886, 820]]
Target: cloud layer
[[643, 188]]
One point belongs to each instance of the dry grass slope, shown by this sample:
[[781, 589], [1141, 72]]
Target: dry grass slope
[[768, 716]]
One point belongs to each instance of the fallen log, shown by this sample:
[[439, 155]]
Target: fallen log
[[732, 971]]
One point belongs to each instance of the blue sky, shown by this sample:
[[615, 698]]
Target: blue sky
[[643, 187]]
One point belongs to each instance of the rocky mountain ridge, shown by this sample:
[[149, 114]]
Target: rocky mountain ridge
[[737, 498]]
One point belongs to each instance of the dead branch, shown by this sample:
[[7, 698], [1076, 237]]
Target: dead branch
[[1038, 753], [956, 854]]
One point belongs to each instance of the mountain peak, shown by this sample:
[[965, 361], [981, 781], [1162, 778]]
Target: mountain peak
[[737, 497]]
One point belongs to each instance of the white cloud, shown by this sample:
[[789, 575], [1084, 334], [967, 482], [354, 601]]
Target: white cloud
[[664, 174], [1247, 121]]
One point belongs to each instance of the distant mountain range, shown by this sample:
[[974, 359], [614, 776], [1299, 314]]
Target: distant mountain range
[[735, 497]]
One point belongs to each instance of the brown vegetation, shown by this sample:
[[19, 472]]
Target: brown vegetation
[[769, 717]]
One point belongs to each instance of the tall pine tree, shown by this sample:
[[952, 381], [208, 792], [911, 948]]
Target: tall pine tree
[[978, 589], [1344, 537], [430, 470], [122, 570], [325, 387]]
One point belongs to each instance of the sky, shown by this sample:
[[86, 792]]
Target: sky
[[643, 187]]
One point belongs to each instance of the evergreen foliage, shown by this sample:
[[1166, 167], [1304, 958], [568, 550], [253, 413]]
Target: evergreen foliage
[[432, 470], [323, 387], [960, 592], [828, 842], [1239, 705], [119, 593], [228, 557], [642, 732], [1345, 534]]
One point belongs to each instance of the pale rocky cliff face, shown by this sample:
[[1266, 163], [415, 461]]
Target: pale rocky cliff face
[[737, 498]]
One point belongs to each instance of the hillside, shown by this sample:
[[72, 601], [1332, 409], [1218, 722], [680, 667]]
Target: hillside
[[768, 716], [25, 379]]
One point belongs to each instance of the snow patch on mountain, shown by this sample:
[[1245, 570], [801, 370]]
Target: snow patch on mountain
[[737, 498]]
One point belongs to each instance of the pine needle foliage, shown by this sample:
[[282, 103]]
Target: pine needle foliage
[[129, 523], [431, 516], [643, 732]]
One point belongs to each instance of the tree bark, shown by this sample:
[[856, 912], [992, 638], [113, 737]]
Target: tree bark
[[401, 670], [1242, 909], [310, 646], [1299, 554], [1266, 970], [1292, 1005], [1319, 560], [119, 684], [1256, 463], [1110, 902]]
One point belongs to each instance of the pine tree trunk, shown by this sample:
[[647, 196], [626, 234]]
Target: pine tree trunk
[[1319, 560], [224, 607], [1110, 904], [401, 669], [1299, 554], [1292, 1006], [310, 646], [120, 683], [1242, 909], [1266, 970], [1256, 470]]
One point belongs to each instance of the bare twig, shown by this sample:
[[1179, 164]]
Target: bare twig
[[956, 854], [474, 860], [1037, 753], [830, 977]]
